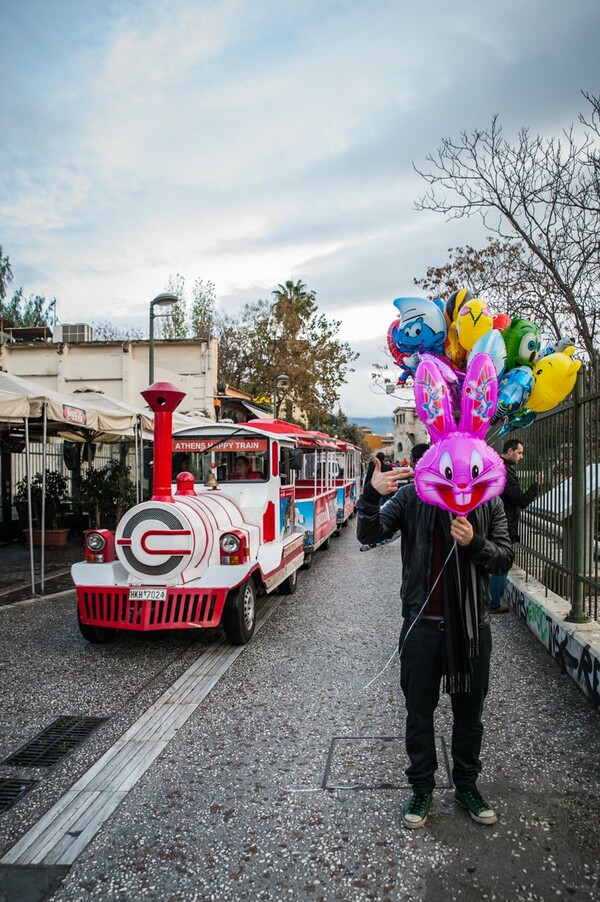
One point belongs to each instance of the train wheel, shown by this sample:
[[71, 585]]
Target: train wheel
[[325, 545], [96, 634], [337, 533], [308, 560], [239, 614], [288, 586]]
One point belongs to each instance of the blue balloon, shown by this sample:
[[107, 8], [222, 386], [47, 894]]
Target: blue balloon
[[519, 420], [492, 344], [514, 389]]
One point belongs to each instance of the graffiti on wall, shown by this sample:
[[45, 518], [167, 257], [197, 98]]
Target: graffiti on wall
[[581, 662]]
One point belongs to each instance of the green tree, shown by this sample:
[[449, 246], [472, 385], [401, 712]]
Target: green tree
[[5, 274], [338, 425], [18, 312], [287, 336], [194, 319], [543, 192], [172, 323]]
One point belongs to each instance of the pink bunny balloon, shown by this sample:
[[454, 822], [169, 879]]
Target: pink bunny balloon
[[460, 471]]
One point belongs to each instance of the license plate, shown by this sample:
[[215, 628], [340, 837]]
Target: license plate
[[146, 594]]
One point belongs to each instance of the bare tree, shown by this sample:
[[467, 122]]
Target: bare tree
[[542, 192], [104, 330]]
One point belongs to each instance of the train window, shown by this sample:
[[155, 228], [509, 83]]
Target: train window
[[242, 467]]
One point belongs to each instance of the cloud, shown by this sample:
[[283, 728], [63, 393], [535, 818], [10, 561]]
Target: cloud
[[251, 143]]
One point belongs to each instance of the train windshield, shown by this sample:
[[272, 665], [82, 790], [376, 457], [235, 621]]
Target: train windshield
[[231, 460]]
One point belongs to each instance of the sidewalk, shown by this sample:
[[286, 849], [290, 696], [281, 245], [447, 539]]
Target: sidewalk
[[15, 569]]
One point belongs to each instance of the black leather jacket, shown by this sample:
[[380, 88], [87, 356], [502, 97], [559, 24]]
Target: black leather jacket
[[490, 550], [515, 499]]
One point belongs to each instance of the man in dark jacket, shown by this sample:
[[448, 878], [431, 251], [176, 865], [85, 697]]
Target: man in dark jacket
[[514, 500], [446, 632]]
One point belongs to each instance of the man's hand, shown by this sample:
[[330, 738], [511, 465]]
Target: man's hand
[[386, 483], [461, 531]]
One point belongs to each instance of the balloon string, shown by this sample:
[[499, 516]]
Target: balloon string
[[415, 621]]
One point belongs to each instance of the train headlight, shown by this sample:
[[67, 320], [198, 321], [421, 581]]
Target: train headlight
[[230, 543], [95, 542], [99, 546], [234, 548]]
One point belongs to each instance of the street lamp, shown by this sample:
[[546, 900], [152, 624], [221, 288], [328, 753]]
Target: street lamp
[[166, 299], [280, 382]]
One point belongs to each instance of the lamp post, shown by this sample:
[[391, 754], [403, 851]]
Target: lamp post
[[166, 299], [280, 382]]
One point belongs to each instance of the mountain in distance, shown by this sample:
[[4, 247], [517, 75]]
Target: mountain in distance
[[379, 425]]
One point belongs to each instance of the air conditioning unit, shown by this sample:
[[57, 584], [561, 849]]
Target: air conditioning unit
[[72, 333]]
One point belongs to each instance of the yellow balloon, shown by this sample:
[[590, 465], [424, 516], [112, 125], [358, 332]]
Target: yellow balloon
[[473, 319], [555, 377]]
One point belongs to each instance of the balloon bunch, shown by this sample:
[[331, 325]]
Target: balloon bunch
[[459, 471], [454, 332]]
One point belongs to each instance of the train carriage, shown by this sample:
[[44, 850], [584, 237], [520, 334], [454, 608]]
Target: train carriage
[[236, 510]]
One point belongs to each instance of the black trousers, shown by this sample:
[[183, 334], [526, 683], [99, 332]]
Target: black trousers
[[420, 678]]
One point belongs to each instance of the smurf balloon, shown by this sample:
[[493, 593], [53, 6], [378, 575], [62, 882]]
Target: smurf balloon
[[460, 471], [555, 377], [421, 325]]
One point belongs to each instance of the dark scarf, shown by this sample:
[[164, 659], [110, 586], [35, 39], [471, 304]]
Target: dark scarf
[[461, 622]]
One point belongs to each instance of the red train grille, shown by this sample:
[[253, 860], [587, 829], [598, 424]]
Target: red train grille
[[181, 609]]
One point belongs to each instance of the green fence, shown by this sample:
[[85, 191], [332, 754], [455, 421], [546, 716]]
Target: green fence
[[560, 535]]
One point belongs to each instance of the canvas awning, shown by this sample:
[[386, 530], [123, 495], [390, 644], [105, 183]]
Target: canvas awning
[[13, 406]]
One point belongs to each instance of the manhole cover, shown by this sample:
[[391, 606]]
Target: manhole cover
[[55, 742], [375, 762], [12, 790]]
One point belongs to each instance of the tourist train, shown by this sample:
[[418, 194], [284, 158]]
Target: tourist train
[[236, 510]]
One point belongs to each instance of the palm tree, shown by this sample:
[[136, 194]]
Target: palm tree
[[293, 305]]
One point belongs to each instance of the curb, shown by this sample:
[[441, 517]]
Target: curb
[[574, 646]]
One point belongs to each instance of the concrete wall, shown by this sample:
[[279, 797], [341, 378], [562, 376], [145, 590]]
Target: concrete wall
[[574, 646], [120, 368]]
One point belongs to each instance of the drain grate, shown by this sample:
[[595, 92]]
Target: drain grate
[[55, 742], [12, 790]]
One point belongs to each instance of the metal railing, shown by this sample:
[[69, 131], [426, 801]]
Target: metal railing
[[560, 531]]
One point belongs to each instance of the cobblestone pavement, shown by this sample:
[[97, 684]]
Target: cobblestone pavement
[[287, 781]]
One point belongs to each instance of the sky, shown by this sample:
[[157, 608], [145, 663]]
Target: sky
[[248, 143]]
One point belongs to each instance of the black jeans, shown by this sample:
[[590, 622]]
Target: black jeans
[[420, 678]]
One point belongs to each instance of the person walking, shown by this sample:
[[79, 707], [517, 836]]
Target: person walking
[[514, 500], [446, 636]]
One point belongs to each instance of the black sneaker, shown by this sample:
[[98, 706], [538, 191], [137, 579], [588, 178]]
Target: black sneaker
[[478, 807], [415, 810]]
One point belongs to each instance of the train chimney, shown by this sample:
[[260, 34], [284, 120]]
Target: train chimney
[[163, 398]]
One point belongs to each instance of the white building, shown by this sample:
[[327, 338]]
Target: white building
[[408, 431], [119, 369]]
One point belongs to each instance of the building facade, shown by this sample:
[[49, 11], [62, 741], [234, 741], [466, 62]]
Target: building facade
[[119, 369], [408, 431]]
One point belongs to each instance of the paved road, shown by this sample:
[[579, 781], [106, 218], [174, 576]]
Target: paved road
[[286, 782]]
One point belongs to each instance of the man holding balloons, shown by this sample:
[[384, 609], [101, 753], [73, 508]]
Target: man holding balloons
[[453, 534]]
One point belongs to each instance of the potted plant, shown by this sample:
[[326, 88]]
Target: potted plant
[[56, 487], [106, 494]]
